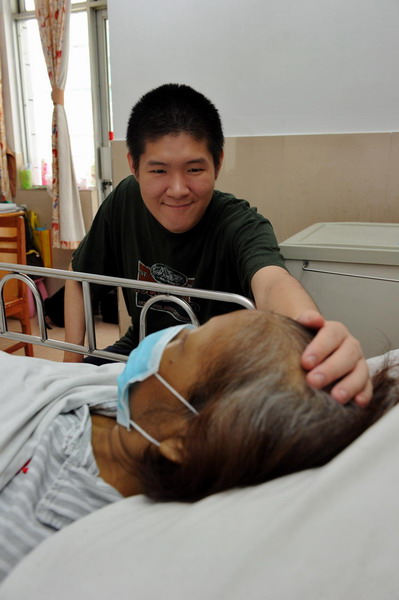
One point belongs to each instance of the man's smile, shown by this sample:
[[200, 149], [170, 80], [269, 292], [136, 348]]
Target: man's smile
[[178, 206]]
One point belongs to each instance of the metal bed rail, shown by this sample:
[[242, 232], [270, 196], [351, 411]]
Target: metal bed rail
[[171, 293]]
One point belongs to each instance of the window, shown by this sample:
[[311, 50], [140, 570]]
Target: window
[[89, 114]]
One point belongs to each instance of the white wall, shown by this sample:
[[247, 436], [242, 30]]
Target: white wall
[[270, 66]]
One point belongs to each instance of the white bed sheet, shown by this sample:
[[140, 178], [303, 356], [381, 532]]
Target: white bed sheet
[[34, 391], [327, 533]]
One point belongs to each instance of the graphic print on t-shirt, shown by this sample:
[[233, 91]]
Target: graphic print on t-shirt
[[160, 273]]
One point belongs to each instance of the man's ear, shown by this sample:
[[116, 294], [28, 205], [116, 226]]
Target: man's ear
[[173, 449], [217, 171], [131, 165]]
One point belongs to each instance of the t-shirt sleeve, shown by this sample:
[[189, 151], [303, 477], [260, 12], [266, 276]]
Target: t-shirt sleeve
[[253, 244], [96, 252]]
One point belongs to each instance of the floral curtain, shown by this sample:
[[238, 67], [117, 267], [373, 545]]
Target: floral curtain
[[53, 17], [5, 193]]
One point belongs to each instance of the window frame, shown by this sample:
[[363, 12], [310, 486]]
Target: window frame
[[100, 84]]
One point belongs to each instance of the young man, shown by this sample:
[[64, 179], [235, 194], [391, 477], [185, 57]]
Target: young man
[[166, 223]]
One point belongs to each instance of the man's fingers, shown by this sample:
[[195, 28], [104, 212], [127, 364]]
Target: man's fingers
[[334, 355], [327, 341], [311, 318], [348, 388]]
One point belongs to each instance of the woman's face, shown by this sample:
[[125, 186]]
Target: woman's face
[[183, 363], [185, 357]]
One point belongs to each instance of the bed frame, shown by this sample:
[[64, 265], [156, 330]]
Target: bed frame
[[171, 293]]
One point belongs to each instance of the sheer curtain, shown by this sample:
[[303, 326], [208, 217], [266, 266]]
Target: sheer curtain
[[53, 17], [5, 193]]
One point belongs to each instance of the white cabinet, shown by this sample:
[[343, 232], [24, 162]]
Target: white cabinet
[[351, 270]]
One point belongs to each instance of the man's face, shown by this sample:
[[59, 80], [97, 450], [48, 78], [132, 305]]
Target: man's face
[[177, 176]]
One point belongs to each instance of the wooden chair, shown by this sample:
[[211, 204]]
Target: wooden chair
[[15, 293]]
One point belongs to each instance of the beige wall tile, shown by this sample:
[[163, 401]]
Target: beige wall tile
[[335, 178], [296, 181], [253, 169], [393, 182], [120, 166]]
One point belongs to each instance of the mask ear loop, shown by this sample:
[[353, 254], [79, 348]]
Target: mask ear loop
[[175, 393], [144, 433]]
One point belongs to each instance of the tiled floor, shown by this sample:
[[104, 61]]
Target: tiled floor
[[106, 334]]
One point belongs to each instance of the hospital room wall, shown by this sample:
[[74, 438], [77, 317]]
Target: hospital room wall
[[308, 92]]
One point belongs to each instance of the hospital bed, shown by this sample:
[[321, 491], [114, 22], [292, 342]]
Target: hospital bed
[[327, 533]]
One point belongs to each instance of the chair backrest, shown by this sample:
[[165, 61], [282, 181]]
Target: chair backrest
[[12, 248]]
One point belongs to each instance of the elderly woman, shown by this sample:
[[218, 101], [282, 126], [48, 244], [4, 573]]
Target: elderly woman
[[227, 405], [199, 410]]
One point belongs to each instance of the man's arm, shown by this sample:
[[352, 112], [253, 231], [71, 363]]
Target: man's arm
[[334, 354], [276, 290], [75, 327]]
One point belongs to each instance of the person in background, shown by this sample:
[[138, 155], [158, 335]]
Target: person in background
[[166, 223]]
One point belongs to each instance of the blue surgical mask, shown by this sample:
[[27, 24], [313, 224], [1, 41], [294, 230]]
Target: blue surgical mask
[[142, 363]]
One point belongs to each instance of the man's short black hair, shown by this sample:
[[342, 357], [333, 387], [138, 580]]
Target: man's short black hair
[[172, 109]]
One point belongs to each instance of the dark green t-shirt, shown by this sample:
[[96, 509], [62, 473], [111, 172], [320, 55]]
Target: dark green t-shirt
[[222, 253]]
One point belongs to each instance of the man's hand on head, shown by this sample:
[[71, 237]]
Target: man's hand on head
[[334, 355]]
